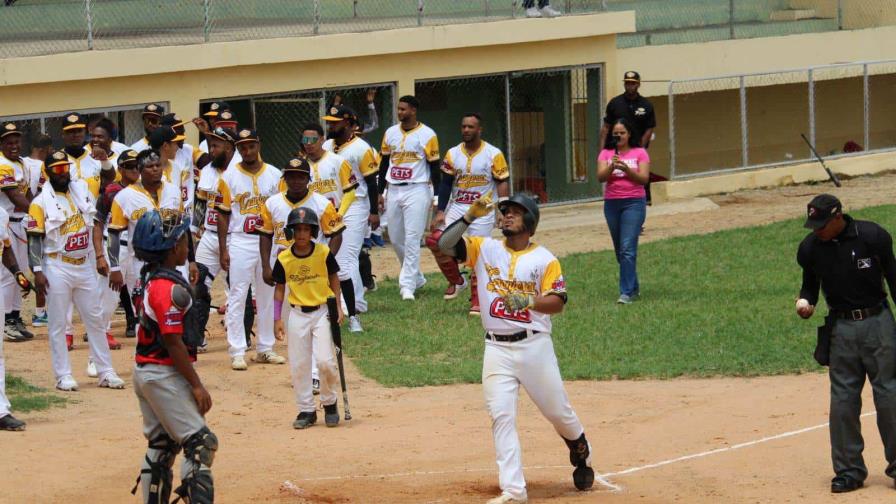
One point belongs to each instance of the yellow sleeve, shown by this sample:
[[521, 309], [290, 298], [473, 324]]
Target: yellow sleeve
[[223, 202], [6, 243], [345, 177], [448, 164], [552, 281], [7, 177], [35, 219], [500, 171], [432, 149], [369, 164], [473, 244], [200, 195], [196, 154], [267, 222], [93, 185], [331, 221], [281, 186], [347, 200], [117, 218], [385, 149]]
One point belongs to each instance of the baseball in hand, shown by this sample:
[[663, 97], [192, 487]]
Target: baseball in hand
[[802, 304]]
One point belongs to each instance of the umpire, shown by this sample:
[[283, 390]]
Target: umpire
[[849, 259]]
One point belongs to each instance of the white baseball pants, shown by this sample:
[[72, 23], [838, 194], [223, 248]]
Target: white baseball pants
[[12, 293], [4, 401], [309, 335], [406, 210], [245, 270], [208, 254], [352, 239], [532, 364], [111, 299], [75, 284]]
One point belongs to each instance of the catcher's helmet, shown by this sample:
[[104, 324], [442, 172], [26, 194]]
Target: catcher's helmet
[[528, 204], [153, 234], [301, 215]]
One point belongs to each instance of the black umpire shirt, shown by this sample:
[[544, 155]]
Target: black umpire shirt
[[850, 268], [639, 113]]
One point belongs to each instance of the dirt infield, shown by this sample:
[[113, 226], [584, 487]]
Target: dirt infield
[[689, 441]]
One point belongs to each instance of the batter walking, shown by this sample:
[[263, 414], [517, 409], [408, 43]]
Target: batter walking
[[520, 287], [850, 259]]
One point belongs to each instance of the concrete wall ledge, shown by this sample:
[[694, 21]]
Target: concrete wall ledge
[[851, 166]]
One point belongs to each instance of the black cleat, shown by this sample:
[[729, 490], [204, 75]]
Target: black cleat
[[331, 415], [843, 484], [11, 423], [305, 419]]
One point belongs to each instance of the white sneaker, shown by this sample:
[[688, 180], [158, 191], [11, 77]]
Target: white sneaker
[[531, 12], [238, 363], [269, 357], [550, 12], [91, 368], [112, 381], [507, 499], [407, 295], [67, 384], [354, 324]]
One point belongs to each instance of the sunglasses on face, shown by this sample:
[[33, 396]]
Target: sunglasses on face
[[306, 140]]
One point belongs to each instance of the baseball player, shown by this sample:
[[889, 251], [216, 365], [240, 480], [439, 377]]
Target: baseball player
[[172, 399], [218, 116], [410, 161], [332, 177], [152, 118], [58, 252], [243, 191], [15, 200], [7, 421], [310, 271], [41, 146], [188, 155], [363, 212], [166, 142], [521, 287], [469, 170]]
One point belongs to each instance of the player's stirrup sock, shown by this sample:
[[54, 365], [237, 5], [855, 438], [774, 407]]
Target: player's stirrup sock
[[348, 293]]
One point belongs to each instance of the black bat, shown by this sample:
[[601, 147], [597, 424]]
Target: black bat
[[832, 175], [337, 341]]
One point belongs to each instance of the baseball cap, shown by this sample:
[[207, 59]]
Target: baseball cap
[[246, 135], [225, 134], [297, 165], [57, 158], [226, 119], [73, 121], [163, 134], [10, 128], [216, 108], [631, 76], [172, 120], [128, 156], [154, 109], [821, 210], [340, 112]]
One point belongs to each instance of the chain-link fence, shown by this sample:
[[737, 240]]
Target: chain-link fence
[[749, 121], [127, 118], [546, 122], [279, 118]]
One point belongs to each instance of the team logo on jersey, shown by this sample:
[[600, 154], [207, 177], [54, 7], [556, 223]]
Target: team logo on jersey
[[499, 310], [249, 204], [864, 263], [173, 317], [470, 180], [558, 285], [303, 274], [73, 224], [640, 111], [323, 186]]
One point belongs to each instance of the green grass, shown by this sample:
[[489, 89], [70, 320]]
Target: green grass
[[26, 397], [719, 304]]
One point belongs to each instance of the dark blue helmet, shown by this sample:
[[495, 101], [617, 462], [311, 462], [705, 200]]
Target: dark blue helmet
[[155, 234]]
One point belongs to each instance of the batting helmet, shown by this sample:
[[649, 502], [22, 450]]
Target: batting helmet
[[301, 215], [153, 234], [530, 207]]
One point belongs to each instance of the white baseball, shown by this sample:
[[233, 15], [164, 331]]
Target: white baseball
[[802, 304]]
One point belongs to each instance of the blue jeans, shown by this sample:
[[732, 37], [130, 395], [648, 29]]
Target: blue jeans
[[625, 218]]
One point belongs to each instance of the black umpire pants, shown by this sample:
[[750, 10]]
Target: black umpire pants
[[528, 4], [860, 348]]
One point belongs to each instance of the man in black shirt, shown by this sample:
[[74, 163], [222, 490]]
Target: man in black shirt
[[632, 106], [850, 260]]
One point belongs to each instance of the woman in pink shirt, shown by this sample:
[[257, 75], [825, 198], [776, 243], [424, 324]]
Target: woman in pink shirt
[[626, 170]]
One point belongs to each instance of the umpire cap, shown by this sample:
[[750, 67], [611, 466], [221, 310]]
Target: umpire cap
[[821, 210], [530, 207], [301, 215]]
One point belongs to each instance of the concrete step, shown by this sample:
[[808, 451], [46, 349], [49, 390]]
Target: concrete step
[[793, 14]]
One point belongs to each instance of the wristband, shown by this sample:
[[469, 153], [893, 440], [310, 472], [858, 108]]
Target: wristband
[[278, 307], [36, 269], [112, 268]]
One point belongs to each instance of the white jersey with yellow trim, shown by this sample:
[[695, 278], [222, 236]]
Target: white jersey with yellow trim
[[180, 175], [410, 153], [207, 190], [361, 157], [34, 169], [475, 173], [276, 212], [63, 220], [141, 145], [331, 177], [501, 271], [119, 147], [243, 194], [133, 201], [12, 175], [89, 167]]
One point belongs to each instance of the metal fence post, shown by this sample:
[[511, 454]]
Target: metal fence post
[[568, 6], [811, 83], [671, 130], [509, 136], [316, 27], [731, 19], [513, 9], [866, 106], [488, 10], [89, 15], [206, 20], [839, 14], [744, 125], [419, 12], [355, 8]]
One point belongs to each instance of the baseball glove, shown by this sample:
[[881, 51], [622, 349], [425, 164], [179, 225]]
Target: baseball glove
[[518, 301]]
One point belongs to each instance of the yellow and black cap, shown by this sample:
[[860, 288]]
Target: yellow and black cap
[[57, 158], [226, 119], [226, 134], [163, 134], [172, 120], [73, 121], [339, 113], [631, 76], [154, 109], [297, 165], [246, 135], [10, 128], [127, 157], [216, 108]]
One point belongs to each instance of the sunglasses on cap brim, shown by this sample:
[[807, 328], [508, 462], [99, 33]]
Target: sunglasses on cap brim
[[59, 169]]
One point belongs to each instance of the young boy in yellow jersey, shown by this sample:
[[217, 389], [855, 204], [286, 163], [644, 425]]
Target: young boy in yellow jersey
[[311, 272]]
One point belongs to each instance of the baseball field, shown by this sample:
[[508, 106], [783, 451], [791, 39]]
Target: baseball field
[[704, 391]]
